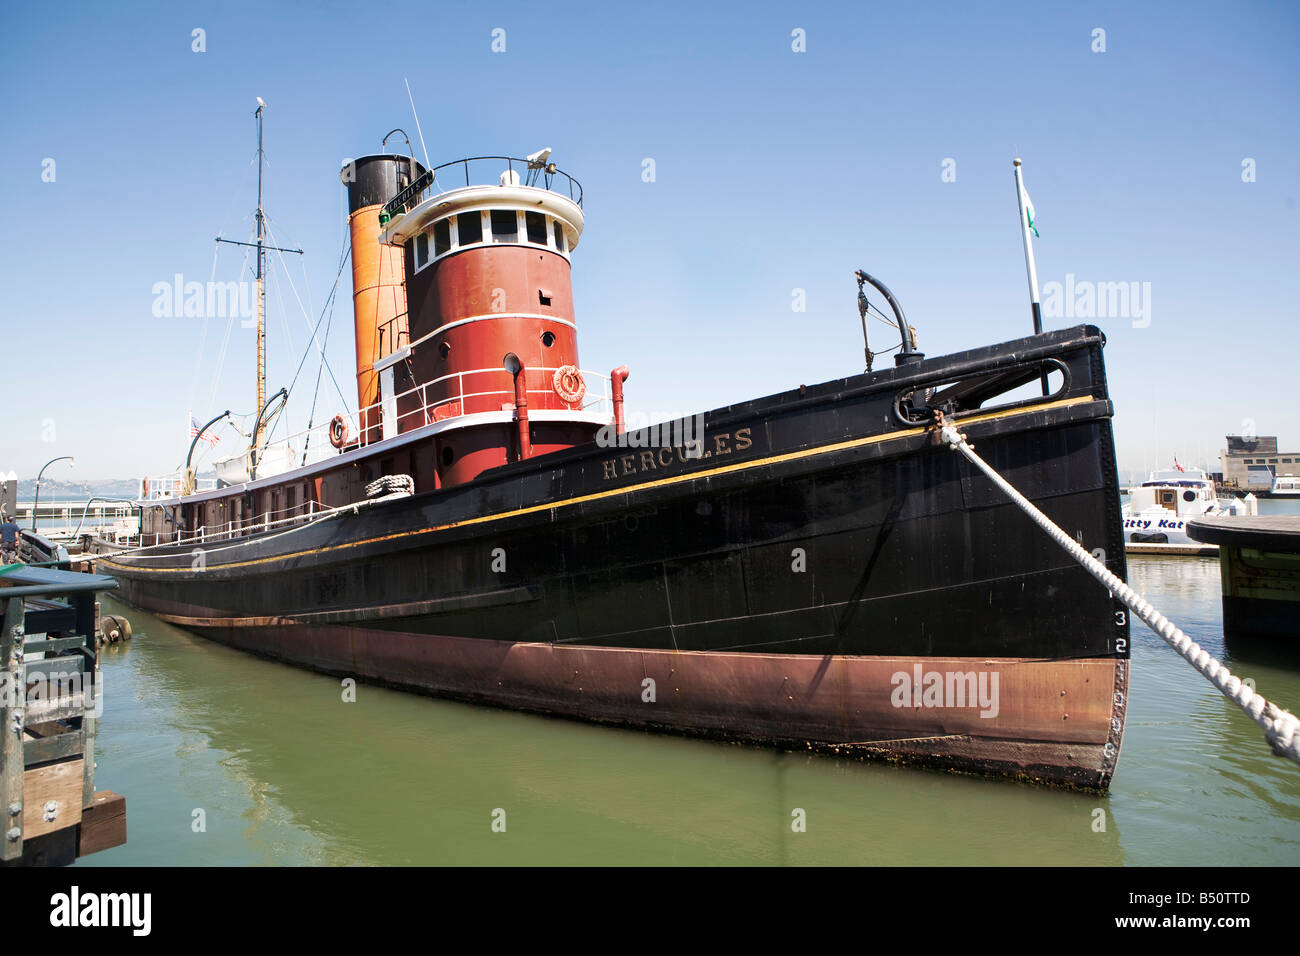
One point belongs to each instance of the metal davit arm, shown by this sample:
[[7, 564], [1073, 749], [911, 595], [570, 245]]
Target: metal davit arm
[[909, 353]]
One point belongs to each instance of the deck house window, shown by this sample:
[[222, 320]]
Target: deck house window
[[505, 225], [441, 237], [535, 223], [470, 228], [559, 234], [421, 250]]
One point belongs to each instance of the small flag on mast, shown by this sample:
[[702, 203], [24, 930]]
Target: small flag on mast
[[1029, 211], [194, 432]]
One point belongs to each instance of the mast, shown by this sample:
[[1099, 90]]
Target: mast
[[261, 289], [261, 284]]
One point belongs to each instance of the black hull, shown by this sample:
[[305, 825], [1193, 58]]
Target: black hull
[[818, 525]]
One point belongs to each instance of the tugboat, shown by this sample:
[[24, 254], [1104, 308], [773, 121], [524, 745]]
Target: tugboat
[[811, 569]]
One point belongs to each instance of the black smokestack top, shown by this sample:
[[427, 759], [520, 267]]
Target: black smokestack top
[[377, 179]]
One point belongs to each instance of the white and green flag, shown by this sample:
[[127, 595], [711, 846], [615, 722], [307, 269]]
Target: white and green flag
[[1029, 210]]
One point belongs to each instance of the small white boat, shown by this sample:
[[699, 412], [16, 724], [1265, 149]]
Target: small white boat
[[1285, 486], [1157, 512]]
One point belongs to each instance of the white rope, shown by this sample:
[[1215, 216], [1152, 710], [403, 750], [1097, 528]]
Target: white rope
[[401, 485], [1281, 728]]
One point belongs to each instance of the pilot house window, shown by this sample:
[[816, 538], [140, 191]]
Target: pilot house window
[[505, 225], [470, 227], [535, 222], [421, 250], [559, 234], [441, 237]]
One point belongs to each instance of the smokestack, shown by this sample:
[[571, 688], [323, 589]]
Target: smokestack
[[378, 289]]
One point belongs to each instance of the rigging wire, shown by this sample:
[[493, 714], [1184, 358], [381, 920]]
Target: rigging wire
[[320, 367], [326, 310], [311, 308], [884, 320], [225, 342], [203, 336], [314, 338]]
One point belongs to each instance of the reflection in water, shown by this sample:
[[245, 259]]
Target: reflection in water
[[287, 772], [1197, 778]]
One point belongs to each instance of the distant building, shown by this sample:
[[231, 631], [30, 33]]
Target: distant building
[[1253, 461]]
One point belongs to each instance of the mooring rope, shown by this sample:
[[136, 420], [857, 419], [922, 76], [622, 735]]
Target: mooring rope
[[1281, 728]]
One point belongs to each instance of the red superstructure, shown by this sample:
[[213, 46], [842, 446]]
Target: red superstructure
[[493, 347], [466, 346]]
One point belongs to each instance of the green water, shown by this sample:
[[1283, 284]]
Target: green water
[[286, 772]]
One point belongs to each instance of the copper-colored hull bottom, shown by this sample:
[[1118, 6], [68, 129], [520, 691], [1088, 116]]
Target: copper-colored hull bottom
[[1054, 721]]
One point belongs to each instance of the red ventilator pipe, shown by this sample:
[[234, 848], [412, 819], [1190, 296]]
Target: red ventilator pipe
[[616, 379], [521, 404]]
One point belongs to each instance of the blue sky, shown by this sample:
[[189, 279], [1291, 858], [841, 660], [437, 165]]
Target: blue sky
[[775, 171]]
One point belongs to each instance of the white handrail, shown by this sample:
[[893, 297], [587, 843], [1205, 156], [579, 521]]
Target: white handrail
[[312, 445]]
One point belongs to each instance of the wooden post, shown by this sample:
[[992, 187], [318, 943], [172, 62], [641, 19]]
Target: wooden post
[[87, 619], [13, 690]]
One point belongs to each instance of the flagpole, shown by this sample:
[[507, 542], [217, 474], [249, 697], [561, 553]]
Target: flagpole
[[1029, 250], [1035, 308]]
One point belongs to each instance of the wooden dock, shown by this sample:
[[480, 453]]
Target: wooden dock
[[50, 703], [1259, 561]]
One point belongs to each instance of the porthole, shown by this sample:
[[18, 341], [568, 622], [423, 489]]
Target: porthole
[[548, 338], [1189, 496]]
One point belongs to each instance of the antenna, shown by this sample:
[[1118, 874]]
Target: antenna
[[419, 131]]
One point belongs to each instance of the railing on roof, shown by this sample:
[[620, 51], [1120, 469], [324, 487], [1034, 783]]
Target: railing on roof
[[170, 485], [544, 176]]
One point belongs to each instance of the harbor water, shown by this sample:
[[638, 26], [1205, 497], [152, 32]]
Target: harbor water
[[229, 759]]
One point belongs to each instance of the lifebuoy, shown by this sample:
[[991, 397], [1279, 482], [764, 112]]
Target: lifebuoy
[[569, 384], [338, 431]]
